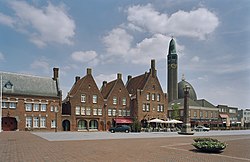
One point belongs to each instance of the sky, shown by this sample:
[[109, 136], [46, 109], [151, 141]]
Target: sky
[[212, 39]]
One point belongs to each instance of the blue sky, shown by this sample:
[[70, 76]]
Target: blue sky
[[123, 36]]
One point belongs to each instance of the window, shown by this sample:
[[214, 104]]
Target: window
[[201, 114], [77, 110], [53, 123], [124, 112], [51, 108], [28, 107], [195, 114], [4, 104], [158, 107], [94, 111], [148, 96], [35, 122], [100, 111], [119, 112], [128, 112], [153, 97], [88, 111], [114, 100], [56, 109], [83, 111], [148, 107], [43, 107], [144, 107], [28, 122], [109, 112], [158, 97], [212, 115], [94, 98], [162, 108], [124, 101], [43, 122], [114, 112], [36, 107], [12, 105], [181, 113], [83, 98], [206, 114]]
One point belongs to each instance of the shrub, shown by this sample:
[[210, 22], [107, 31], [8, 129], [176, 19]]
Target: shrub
[[209, 144]]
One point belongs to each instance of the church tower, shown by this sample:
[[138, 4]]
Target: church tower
[[172, 72]]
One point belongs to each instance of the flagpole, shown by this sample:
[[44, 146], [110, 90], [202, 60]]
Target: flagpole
[[1, 101]]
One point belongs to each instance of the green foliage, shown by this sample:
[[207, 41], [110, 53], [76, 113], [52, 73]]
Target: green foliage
[[136, 126], [175, 112], [209, 144]]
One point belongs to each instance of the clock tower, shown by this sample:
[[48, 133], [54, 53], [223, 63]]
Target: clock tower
[[172, 72]]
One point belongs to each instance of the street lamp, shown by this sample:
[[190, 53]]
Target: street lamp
[[186, 128]]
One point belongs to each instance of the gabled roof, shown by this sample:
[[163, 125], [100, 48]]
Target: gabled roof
[[22, 84], [137, 82], [76, 85], [205, 103], [106, 90]]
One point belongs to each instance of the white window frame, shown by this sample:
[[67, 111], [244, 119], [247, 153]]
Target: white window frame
[[158, 97], [53, 124], [77, 110], [124, 112], [114, 112], [153, 96], [95, 99], [43, 122], [94, 111], [35, 122], [100, 111], [114, 100], [35, 108], [83, 111], [28, 123], [12, 105], [144, 107], [148, 96], [109, 112], [83, 98], [119, 112], [88, 111], [124, 101], [147, 107], [28, 107], [128, 112], [43, 107], [51, 108], [4, 105]]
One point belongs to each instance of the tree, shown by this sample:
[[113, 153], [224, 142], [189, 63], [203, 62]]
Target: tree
[[175, 113]]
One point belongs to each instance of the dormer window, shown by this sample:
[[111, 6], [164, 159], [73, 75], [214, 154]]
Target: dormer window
[[8, 85]]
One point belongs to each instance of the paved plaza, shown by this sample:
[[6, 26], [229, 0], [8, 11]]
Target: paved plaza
[[105, 146]]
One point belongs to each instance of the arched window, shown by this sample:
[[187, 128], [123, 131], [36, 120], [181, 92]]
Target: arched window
[[82, 125], [93, 124]]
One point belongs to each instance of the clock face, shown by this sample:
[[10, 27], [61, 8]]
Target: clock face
[[173, 66]]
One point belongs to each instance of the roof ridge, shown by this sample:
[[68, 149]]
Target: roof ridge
[[22, 74]]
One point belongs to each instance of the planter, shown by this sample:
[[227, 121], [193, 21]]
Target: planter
[[209, 145]]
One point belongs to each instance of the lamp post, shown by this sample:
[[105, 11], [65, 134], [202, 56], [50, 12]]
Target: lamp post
[[186, 128]]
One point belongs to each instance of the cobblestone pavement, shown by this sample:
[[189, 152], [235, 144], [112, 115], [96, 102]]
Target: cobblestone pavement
[[27, 147]]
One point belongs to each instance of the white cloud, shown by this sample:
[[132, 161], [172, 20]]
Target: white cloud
[[117, 42], [6, 20], [41, 64], [83, 56], [45, 25], [2, 57], [102, 77], [197, 23], [195, 59]]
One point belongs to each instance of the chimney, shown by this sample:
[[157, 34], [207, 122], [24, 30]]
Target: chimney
[[119, 76], [104, 83], [89, 71], [152, 70], [129, 77], [77, 78], [55, 73]]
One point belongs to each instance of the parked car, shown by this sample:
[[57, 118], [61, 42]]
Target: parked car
[[120, 128], [201, 128]]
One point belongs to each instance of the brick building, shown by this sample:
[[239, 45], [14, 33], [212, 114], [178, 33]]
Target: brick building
[[148, 101], [30, 102], [117, 102], [82, 110]]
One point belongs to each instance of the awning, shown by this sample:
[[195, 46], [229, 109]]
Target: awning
[[123, 121], [223, 115]]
